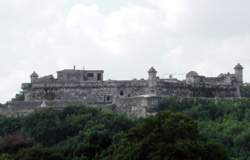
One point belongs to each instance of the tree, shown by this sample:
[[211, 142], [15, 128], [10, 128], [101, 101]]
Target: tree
[[164, 137], [5, 157], [12, 143], [39, 153]]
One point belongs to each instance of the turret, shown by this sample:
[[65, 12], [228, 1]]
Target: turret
[[191, 77], [34, 76], [152, 77], [238, 69]]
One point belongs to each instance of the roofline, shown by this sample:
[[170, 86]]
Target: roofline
[[81, 70], [238, 66]]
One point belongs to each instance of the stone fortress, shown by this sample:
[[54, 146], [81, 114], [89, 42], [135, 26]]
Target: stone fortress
[[72, 86]]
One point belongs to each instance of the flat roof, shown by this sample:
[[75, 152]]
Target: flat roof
[[75, 70]]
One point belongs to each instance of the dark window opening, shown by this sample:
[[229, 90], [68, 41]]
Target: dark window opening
[[121, 93], [90, 74], [99, 77], [129, 95], [108, 98]]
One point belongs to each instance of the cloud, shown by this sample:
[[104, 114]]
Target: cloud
[[174, 36]]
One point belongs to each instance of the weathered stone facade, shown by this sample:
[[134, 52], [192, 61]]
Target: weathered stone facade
[[88, 87], [140, 106]]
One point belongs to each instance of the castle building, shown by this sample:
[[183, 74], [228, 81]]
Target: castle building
[[89, 87]]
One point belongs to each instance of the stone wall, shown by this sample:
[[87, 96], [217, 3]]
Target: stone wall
[[173, 89], [25, 107], [210, 91], [89, 92], [182, 89], [107, 91], [140, 106]]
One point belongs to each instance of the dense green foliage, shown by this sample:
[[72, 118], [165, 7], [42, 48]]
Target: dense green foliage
[[61, 134], [81, 133], [245, 91], [166, 136], [225, 121], [202, 131]]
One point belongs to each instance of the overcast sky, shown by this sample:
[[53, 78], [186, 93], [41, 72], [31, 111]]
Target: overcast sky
[[122, 37]]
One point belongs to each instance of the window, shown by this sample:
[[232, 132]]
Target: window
[[90, 74], [108, 98], [99, 76], [121, 93]]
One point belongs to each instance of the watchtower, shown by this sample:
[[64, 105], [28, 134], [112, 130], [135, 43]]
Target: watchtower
[[152, 77], [34, 76], [238, 69]]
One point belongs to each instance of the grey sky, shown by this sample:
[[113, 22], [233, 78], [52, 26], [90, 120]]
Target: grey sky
[[122, 37]]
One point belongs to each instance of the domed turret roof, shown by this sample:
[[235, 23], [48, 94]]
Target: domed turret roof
[[152, 70], [34, 74], [238, 66], [191, 74]]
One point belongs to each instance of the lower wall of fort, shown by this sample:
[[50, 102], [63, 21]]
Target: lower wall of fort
[[88, 95], [129, 97], [140, 106], [108, 93]]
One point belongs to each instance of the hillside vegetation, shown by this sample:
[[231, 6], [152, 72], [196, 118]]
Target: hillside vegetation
[[225, 121], [185, 129], [82, 133]]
